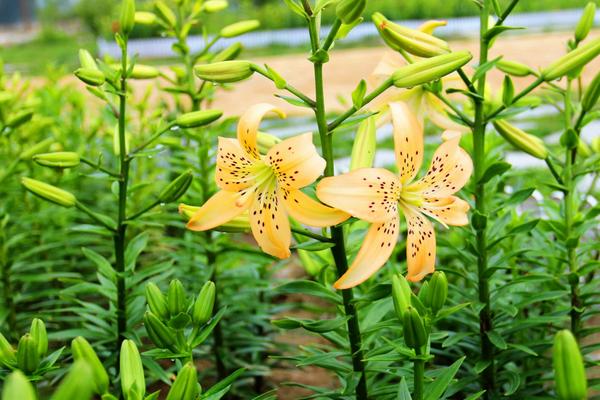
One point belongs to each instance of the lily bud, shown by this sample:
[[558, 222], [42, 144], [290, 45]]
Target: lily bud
[[78, 384], [585, 22], [264, 141], [411, 40], [415, 335], [596, 144], [176, 188], [8, 356], [349, 11], [401, 295], [61, 159], [49, 192], [430, 69], [127, 20], [19, 119], [513, 68], [521, 140], [225, 71], [437, 291], [82, 350], [17, 386], [28, 358], [145, 18], [583, 149], [195, 119], [38, 333], [165, 13], [160, 334], [86, 60], [573, 60], [239, 28], [36, 148], [424, 294], [132, 371], [156, 301], [429, 26], [591, 94], [213, 6], [176, 298], [569, 371], [229, 53], [203, 307], [141, 71], [186, 385], [365, 143]]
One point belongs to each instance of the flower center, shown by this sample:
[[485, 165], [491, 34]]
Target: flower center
[[411, 197]]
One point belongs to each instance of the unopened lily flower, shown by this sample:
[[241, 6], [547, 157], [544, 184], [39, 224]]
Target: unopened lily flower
[[377, 196], [266, 186]]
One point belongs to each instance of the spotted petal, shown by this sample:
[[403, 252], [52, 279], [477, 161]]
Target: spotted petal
[[222, 207], [373, 254], [270, 224], [366, 193], [296, 162], [420, 245], [234, 170], [248, 125], [448, 210], [310, 212], [408, 141]]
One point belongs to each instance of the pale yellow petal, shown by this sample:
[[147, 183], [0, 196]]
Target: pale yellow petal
[[233, 170], [248, 125], [448, 210], [420, 245], [270, 224], [222, 207], [376, 249], [437, 113], [366, 193], [310, 212], [408, 141], [295, 161]]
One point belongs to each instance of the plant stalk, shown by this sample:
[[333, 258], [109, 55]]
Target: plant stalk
[[418, 376]]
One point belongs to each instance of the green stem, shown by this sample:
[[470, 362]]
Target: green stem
[[98, 167], [418, 376], [337, 24], [291, 89], [312, 235], [506, 13], [518, 97]]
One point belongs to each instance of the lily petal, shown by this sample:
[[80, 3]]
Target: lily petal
[[373, 254], [448, 210], [222, 207], [233, 170], [310, 212], [366, 193], [420, 245], [247, 128], [296, 162], [270, 224], [436, 112], [408, 141]]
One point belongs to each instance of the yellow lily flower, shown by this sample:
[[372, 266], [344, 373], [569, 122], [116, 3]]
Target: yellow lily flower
[[267, 186], [377, 195]]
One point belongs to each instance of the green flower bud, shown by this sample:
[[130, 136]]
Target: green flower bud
[[521, 140], [401, 295], [213, 6], [225, 71], [205, 302], [92, 77], [35, 149], [430, 69], [61, 159], [132, 371], [569, 371], [38, 333], [86, 60], [591, 94], [141, 71], [424, 294], [17, 386], [160, 334], [49, 192], [583, 149], [78, 384], [186, 385], [8, 356], [83, 351], [239, 28], [585, 22], [264, 141], [165, 13], [348, 11], [19, 118], [365, 143], [145, 18], [176, 301], [573, 60], [415, 335], [596, 144], [437, 291], [156, 301], [28, 357], [195, 119], [513, 68], [176, 188], [127, 20], [229, 53]]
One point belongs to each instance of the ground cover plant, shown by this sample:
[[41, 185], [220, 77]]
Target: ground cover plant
[[153, 248]]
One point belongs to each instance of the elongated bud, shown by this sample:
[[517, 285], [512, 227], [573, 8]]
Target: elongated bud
[[145, 18], [583, 149], [83, 351], [225, 71], [430, 69], [89, 76], [229, 53], [401, 294], [17, 386], [165, 13], [365, 143], [159, 333], [415, 335], [38, 333], [61, 159], [176, 298], [213, 6], [410, 40], [195, 119], [521, 140], [591, 94], [176, 188], [429, 26], [185, 386], [78, 384], [205, 302], [424, 294], [569, 371], [35, 149], [86, 60], [132, 371], [28, 358], [49, 192], [585, 22], [8, 356], [264, 141], [18, 119], [349, 11], [156, 301], [141, 71], [239, 28], [513, 68], [437, 291], [127, 20], [596, 144], [573, 60]]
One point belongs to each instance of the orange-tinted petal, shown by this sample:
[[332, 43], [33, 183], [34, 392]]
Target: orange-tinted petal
[[295, 161], [366, 193], [408, 141], [247, 128], [270, 224], [310, 212], [448, 210], [233, 171], [420, 245], [373, 254], [222, 207]]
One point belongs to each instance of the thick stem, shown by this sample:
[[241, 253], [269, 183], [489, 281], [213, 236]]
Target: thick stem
[[418, 376]]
